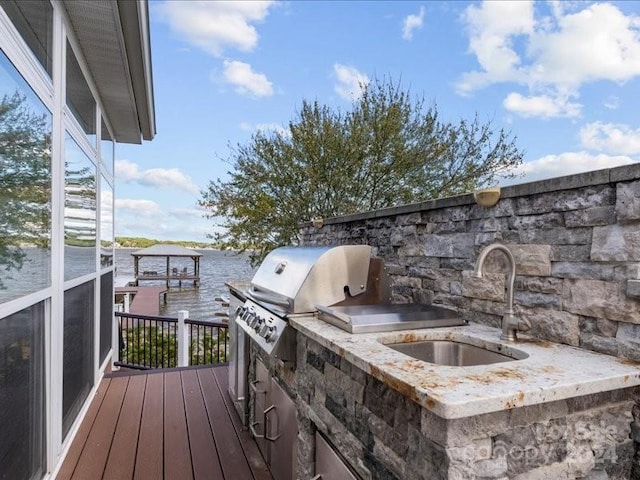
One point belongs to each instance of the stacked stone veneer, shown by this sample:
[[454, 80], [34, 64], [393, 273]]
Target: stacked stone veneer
[[576, 241], [383, 435]]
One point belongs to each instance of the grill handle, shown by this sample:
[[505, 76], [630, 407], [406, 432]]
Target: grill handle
[[270, 298], [332, 313]]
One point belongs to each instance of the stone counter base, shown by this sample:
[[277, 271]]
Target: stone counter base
[[383, 435]]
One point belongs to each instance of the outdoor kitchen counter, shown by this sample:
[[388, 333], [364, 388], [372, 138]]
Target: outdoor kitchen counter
[[551, 372]]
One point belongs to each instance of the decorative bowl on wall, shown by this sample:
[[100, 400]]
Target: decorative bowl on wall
[[487, 197]]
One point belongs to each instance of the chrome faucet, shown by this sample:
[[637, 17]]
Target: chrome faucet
[[510, 323]]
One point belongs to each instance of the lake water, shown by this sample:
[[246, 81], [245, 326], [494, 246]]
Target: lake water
[[216, 268]]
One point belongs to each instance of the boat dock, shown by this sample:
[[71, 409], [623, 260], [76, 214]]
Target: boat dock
[[144, 300]]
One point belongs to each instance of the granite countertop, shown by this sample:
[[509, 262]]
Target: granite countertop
[[550, 372]]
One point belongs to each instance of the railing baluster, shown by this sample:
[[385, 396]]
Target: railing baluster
[[152, 342]]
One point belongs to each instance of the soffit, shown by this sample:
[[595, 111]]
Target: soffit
[[113, 37]]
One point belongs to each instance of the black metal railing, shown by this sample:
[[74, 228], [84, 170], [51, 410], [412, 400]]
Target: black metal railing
[[208, 343], [147, 341]]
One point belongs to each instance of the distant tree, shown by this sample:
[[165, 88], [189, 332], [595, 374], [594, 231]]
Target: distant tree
[[25, 181], [388, 149]]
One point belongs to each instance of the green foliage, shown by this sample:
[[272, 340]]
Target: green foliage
[[208, 349], [155, 347], [25, 180], [387, 150], [150, 346], [140, 242]]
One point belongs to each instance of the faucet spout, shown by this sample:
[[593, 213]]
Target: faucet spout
[[510, 324]]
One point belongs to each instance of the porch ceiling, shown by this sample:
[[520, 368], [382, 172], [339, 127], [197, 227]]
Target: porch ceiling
[[114, 38]]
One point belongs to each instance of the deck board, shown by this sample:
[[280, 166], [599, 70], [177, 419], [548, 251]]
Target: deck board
[[122, 458], [224, 432], [254, 458], [206, 463], [176, 424], [177, 456], [75, 450], [149, 457], [96, 449]]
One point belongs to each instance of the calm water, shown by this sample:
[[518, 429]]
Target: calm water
[[216, 268]]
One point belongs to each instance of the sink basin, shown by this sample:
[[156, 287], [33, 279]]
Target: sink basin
[[456, 354]]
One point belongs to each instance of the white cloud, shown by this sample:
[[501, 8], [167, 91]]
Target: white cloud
[[492, 28], [214, 26], [245, 80], [143, 208], [412, 23], [611, 138], [350, 81], [126, 171], [569, 163], [129, 172], [541, 106], [577, 44]]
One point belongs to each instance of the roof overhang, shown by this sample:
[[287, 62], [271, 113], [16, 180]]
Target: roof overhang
[[114, 38]]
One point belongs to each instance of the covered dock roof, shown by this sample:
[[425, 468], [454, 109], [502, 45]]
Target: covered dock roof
[[169, 252], [162, 250]]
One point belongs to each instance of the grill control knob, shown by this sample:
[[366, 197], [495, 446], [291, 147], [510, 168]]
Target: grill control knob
[[258, 323], [270, 334], [250, 319], [263, 329]]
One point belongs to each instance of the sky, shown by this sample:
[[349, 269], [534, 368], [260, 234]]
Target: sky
[[562, 76]]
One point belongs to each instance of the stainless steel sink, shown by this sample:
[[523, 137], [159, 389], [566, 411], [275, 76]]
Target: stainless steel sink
[[456, 354]]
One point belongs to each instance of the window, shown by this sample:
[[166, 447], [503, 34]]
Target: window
[[34, 21], [79, 212], [25, 193], [79, 97], [77, 376], [106, 148], [106, 314], [106, 224], [22, 443]]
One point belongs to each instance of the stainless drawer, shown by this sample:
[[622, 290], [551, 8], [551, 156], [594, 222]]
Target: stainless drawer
[[329, 466]]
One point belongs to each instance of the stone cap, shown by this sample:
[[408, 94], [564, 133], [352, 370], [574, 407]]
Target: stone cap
[[569, 182]]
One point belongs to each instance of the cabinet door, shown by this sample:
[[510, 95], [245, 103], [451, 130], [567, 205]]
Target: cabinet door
[[329, 466], [282, 433], [233, 357], [260, 387]]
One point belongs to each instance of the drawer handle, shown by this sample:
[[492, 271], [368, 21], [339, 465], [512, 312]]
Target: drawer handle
[[253, 430], [272, 408], [253, 387]]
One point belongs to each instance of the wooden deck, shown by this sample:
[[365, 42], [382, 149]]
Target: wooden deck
[[146, 300], [168, 424]]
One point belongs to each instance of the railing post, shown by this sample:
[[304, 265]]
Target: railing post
[[126, 302], [183, 339], [115, 338]]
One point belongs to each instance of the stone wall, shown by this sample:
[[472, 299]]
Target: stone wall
[[383, 435], [576, 241]]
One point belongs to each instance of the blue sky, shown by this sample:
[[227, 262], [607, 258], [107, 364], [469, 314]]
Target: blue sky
[[563, 77]]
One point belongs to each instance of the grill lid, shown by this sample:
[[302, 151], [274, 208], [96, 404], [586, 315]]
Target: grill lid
[[296, 279]]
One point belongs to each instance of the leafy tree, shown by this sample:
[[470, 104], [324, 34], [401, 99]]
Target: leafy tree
[[25, 180], [387, 150]]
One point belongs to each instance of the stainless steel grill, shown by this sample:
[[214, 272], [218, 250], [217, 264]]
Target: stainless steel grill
[[343, 285], [294, 280]]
